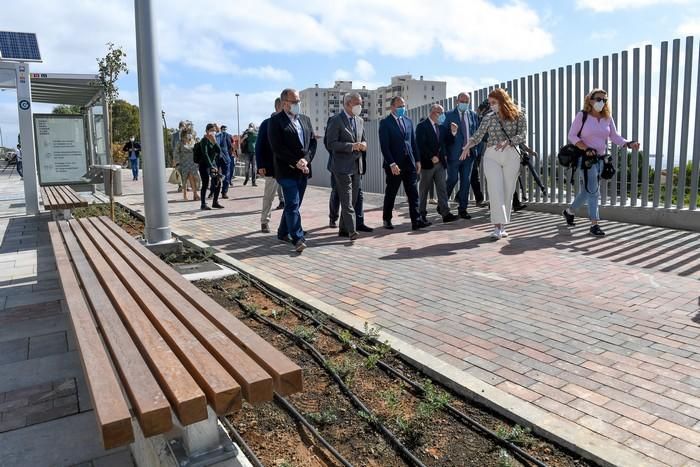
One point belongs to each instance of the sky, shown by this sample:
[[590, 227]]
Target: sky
[[209, 52]]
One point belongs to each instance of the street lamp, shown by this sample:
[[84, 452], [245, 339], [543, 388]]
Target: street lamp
[[238, 125]]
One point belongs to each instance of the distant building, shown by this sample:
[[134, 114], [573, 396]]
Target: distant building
[[321, 103]]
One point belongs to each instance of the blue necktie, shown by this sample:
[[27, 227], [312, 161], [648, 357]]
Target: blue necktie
[[403, 127]]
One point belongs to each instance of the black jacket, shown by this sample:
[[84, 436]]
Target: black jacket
[[430, 145], [210, 153], [263, 150], [287, 150]]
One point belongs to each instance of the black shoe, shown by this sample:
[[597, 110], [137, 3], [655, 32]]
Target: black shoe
[[464, 214], [343, 234], [569, 218], [519, 207], [217, 206], [449, 217], [480, 203], [224, 196], [332, 224], [210, 196], [354, 236], [420, 224], [388, 225], [205, 208], [264, 228], [245, 182], [596, 231], [364, 228], [280, 206], [286, 239], [255, 184]]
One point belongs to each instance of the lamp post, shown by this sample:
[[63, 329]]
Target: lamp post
[[238, 125], [2, 141]]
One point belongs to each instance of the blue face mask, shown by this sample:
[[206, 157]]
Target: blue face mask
[[441, 119], [400, 111], [463, 107], [295, 109]]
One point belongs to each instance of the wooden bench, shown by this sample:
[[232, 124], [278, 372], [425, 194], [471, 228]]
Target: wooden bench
[[141, 327], [61, 198]]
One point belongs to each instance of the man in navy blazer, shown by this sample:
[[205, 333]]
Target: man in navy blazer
[[398, 143], [293, 143], [462, 122]]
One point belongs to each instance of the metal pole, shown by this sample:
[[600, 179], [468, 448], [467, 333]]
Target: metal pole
[[2, 142], [238, 125], [154, 195], [26, 129]]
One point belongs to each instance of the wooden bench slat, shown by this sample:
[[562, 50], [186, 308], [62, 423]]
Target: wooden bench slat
[[121, 282], [111, 410], [68, 197], [255, 382], [287, 376], [75, 199], [57, 197], [62, 203], [49, 199], [182, 391], [147, 399]]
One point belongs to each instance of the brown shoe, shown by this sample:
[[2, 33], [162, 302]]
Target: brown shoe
[[265, 228]]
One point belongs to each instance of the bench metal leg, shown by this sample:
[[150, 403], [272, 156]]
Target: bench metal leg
[[67, 214], [200, 444]]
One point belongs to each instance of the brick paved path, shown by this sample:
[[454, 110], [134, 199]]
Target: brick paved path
[[602, 332]]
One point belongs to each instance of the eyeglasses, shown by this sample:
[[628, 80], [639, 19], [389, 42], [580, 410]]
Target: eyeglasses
[[600, 99]]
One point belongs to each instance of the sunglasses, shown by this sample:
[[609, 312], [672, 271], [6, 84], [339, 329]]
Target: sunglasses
[[600, 99]]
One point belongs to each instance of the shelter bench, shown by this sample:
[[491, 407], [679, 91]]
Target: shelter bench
[[61, 198], [152, 343]]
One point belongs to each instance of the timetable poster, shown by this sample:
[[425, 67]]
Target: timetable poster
[[61, 148]]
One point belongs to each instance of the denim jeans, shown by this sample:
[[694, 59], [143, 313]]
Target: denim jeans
[[589, 194], [290, 224], [134, 168], [20, 169], [461, 170]]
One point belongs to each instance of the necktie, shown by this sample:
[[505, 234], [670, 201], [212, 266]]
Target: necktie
[[465, 127], [437, 131], [354, 127], [403, 128]]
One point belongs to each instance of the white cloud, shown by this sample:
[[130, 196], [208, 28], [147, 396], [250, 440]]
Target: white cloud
[[364, 69], [361, 75], [690, 27], [604, 35], [607, 6]]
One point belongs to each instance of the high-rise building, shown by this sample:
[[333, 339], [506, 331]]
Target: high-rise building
[[319, 104]]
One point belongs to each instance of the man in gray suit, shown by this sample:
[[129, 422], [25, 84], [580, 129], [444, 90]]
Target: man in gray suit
[[346, 140]]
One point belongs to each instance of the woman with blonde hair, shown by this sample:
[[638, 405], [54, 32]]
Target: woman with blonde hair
[[506, 126], [189, 171], [590, 132]]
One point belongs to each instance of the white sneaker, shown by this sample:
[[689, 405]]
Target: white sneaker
[[504, 234], [496, 234]]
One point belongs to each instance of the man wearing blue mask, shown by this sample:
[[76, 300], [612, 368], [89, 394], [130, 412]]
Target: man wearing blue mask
[[398, 143], [431, 138], [461, 122]]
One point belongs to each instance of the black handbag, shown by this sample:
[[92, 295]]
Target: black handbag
[[608, 171], [569, 154]]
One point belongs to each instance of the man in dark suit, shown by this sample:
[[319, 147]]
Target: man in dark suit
[[398, 143], [345, 138], [431, 139], [293, 143], [266, 169], [462, 123]]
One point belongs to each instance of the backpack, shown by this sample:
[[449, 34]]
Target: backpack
[[250, 142], [197, 153]]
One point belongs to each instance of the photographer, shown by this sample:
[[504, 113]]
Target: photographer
[[208, 167], [590, 132]]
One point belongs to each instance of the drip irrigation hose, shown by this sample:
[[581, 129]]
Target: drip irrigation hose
[[300, 418], [521, 453], [241, 443], [403, 450]]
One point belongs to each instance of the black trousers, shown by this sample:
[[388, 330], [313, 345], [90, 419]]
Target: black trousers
[[208, 180], [475, 182], [408, 177]]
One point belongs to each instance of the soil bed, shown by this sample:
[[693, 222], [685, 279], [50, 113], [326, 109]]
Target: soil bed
[[122, 217]]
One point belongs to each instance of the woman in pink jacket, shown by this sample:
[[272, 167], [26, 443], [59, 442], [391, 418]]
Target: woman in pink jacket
[[592, 137]]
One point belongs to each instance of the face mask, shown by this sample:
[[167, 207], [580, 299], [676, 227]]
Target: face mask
[[598, 106], [494, 108], [441, 119], [400, 111], [131, 139], [295, 109], [463, 106], [212, 133], [356, 110]]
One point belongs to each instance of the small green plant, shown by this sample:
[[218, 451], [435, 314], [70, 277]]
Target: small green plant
[[504, 459], [369, 418], [371, 361], [370, 334], [345, 368], [285, 463], [392, 398], [306, 333], [323, 418], [516, 435], [347, 339], [279, 314], [434, 399], [319, 316], [239, 294], [411, 430]]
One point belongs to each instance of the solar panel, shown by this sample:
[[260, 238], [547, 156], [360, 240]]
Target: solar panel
[[19, 46]]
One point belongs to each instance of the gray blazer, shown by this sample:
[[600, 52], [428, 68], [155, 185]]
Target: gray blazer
[[339, 139]]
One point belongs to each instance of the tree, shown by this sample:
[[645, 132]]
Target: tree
[[67, 110], [110, 67], [125, 121]]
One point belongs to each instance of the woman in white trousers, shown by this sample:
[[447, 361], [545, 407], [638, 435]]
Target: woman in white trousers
[[506, 126]]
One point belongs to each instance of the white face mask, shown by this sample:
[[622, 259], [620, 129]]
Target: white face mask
[[598, 106], [356, 110]]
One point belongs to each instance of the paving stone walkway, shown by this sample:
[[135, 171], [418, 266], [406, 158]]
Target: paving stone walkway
[[604, 333]]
